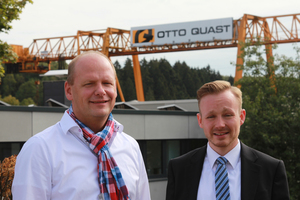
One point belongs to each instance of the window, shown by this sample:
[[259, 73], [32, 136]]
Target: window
[[9, 148], [157, 153], [154, 158], [172, 151]]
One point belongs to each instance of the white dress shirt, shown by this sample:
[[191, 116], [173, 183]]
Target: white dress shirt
[[206, 189], [57, 164]]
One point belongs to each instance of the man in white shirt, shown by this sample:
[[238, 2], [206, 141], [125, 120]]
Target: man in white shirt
[[225, 168], [86, 155]]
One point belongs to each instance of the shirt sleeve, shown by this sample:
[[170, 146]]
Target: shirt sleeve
[[32, 179], [143, 191]]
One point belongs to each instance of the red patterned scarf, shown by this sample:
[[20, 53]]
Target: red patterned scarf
[[112, 185]]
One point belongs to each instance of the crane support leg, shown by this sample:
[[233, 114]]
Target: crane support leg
[[241, 41], [138, 78], [269, 54], [270, 64], [239, 63], [120, 90], [119, 87]]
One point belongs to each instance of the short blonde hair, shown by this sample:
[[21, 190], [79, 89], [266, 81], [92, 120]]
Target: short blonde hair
[[72, 64], [217, 87]]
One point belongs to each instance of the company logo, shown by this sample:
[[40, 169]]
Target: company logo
[[142, 36]]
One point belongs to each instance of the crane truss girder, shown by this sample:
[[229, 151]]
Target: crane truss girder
[[275, 27], [116, 42]]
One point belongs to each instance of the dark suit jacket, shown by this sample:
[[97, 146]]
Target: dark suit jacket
[[262, 177]]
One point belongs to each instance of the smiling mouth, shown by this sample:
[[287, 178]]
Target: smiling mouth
[[99, 101], [220, 134]]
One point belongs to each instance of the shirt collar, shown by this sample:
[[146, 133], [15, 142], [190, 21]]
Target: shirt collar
[[118, 127], [67, 124], [232, 156]]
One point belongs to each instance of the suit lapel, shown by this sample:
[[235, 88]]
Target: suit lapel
[[193, 172], [249, 173]]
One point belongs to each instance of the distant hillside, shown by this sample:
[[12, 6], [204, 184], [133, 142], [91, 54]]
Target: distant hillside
[[161, 81]]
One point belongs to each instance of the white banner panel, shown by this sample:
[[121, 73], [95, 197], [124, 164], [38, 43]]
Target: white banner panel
[[186, 32]]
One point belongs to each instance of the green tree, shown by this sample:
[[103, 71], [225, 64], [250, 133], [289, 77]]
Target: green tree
[[9, 11], [230, 79], [26, 102], [117, 65], [149, 96], [57, 65], [272, 105], [27, 90], [161, 81], [20, 78], [129, 89], [181, 71], [128, 81], [9, 85], [118, 71], [6, 55], [11, 100], [147, 80]]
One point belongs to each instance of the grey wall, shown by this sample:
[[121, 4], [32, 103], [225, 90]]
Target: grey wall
[[158, 189], [20, 125]]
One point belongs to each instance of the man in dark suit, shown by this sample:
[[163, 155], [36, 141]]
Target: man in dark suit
[[225, 168]]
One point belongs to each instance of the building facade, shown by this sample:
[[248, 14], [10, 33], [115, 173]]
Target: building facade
[[161, 134]]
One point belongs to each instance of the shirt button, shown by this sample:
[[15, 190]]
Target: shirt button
[[79, 130]]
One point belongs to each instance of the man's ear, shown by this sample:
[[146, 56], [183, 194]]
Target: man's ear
[[68, 91], [199, 119], [242, 117], [116, 90]]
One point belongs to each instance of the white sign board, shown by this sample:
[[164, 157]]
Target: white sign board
[[186, 32]]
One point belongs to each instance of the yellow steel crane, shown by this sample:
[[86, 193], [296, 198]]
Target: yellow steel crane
[[116, 42]]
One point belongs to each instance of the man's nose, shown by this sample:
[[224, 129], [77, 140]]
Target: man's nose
[[99, 90], [220, 122]]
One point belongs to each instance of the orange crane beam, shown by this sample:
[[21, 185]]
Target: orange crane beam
[[116, 42]]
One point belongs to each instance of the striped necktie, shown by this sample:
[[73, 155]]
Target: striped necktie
[[221, 180]]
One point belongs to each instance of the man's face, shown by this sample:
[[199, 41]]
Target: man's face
[[93, 93], [221, 118]]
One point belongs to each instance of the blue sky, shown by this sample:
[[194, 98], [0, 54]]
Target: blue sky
[[45, 18]]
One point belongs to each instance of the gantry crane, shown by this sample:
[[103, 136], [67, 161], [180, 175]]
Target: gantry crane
[[116, 42]]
